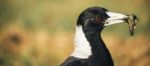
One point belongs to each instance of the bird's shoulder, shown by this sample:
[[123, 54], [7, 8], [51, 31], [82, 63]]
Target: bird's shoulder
[[72, 61]]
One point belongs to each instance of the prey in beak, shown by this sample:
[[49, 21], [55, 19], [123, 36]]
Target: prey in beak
[[132, 22], [115, 18]]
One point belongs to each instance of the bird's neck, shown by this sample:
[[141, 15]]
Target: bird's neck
[[100, 53], [89, 45], [82, 46]]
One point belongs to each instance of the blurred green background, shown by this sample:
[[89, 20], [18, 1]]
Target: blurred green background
[[41, 32]]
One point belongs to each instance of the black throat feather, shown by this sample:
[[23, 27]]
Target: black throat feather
[[100, 54]]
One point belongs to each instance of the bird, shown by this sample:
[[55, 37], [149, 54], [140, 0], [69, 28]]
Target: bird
[[89, 48]]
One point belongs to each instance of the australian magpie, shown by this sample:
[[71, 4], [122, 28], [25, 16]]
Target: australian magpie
[[90, 49]]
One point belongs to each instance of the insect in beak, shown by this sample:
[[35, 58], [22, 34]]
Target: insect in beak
[[132, 22]]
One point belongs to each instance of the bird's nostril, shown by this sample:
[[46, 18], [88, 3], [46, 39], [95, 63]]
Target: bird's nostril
[[107, 22]]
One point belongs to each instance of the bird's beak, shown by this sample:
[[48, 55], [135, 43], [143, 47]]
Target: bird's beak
[[115, 18]]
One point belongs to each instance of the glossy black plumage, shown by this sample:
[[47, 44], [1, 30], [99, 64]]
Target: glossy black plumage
[[92, 21]]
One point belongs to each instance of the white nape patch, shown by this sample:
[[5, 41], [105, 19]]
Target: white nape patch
[[82, 46], [115, 18]]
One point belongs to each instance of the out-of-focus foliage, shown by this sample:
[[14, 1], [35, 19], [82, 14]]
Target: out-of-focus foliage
[[40, 32]]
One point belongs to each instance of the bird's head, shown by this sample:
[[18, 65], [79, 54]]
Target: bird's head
[[96, 18]]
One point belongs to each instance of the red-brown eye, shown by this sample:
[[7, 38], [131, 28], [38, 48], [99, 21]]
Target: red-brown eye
[[97, 19]]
